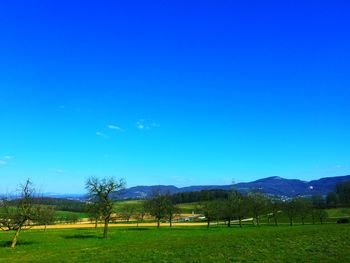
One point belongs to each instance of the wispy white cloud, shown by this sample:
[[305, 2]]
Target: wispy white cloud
[[100, 134], [140, 125], [143, 124], [114, 127], [5, 159]]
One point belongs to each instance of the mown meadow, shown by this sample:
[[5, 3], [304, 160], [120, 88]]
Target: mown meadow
[[309, 243]]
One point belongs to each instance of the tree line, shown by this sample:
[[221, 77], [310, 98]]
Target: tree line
[[256, 205], [340, 197], [216, 205]]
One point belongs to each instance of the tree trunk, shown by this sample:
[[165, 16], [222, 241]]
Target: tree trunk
[[14, 240], [208, 223], [229, 223], [302, 221], [275, 218], [257, 221], [170, 222], [158, 223], [96, 223], [105, 230], [240, 222], [291, 221], [45, 228]]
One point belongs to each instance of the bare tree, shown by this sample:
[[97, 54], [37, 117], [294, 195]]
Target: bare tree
[[100, 192], [17, 214]]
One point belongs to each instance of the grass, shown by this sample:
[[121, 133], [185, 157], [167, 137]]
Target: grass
[[187, 208], [338, 212], [311, 243], [63, 214], [119, 204]]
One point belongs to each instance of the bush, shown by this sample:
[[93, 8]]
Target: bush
[[343, 221]]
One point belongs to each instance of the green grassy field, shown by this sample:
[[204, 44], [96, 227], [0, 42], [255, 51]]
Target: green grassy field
[[63, 214], [186, 208], [189, 207], [311, 243], [338, 212], [120, 204]]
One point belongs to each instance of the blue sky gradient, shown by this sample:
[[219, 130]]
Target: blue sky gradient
[[172, 92]]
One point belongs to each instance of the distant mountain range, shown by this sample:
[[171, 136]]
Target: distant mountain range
[[270, 185]]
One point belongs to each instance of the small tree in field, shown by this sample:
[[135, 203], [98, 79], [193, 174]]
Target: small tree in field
[[275, 206], [139, 212], [241, 207], [127, 211], [156, 206], [99, 193], [258, 203], [211, 210], [93, 210], [290, 207], [233, 207], [171, 209], [322, 215], [318, 210], [45, 215], [303, 208], [15, 215]]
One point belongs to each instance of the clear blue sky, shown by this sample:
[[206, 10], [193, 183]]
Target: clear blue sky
[[172, 92]]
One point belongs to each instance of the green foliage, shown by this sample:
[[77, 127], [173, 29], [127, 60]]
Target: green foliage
[[161, 206], [61, 204], [338, 212], [127, 210], [343, 192], [258, 205], [200, 196], [332, 200], [45, 215]]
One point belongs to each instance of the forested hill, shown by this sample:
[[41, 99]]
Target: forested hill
[[271, 185]]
